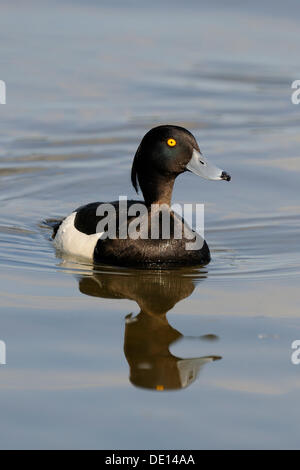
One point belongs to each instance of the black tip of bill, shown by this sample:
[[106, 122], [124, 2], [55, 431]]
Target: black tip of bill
[[225, 176]]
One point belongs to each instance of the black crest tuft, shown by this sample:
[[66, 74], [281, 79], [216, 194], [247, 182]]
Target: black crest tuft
[[134, 176]]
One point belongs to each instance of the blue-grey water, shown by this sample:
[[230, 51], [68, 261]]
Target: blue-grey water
[[116, 358]]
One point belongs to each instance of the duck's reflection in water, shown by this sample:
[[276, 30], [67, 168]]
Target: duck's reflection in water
[[148, 336]]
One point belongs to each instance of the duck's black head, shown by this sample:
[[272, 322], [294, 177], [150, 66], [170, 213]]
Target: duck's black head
[[164, 153]]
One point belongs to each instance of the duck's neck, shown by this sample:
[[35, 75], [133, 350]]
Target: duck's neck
[[157, 188]]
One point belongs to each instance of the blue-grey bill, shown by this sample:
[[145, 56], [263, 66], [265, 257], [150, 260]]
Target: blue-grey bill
[[200, 166]]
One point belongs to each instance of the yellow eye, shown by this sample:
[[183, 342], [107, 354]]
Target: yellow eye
[[171, 142]]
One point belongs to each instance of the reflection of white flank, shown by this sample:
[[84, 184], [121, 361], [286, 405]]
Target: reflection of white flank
[[70, 240]]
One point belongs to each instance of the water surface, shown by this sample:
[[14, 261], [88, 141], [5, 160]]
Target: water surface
[[104, 357]]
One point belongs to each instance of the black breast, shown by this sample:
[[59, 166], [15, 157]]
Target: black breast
[[141, 252]]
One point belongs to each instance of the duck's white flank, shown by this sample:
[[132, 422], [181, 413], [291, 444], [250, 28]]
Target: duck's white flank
[[70, 240]]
